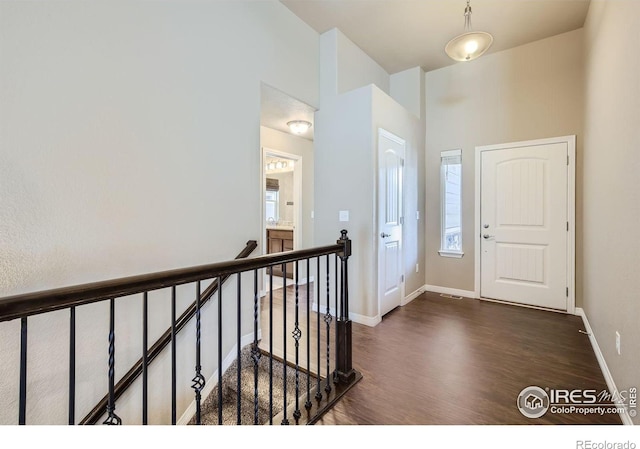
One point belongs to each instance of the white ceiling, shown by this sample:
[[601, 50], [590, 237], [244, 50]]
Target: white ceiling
[[277, 108], [401, 34]]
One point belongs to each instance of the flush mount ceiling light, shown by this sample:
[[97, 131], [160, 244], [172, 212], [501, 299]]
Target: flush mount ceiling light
[[469, 45], [299, 126]]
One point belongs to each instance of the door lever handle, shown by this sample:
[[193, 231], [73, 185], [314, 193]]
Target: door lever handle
[[487, 236], [383, 235]]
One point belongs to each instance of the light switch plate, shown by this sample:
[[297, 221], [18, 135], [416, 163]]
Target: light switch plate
[[344, 215]]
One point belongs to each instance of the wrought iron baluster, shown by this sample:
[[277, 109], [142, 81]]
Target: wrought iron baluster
[[112, 418], [335, 310], [22, 411], [285, 421], [174, 402], [255, 351], [327, 320], [307, 404], [72, 366], [220, 350], [336, 286], [296, 336], [270, 345], [145, 357], [239, 353], [318, 394], [198, 380]]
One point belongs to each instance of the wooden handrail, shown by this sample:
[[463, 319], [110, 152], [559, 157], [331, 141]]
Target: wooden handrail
[[136, 370], [28, 304]]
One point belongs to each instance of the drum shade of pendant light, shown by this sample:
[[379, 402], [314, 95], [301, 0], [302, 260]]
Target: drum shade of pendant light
[[469, 45]]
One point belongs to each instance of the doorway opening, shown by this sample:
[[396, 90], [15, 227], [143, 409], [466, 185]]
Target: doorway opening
[[281, 210]]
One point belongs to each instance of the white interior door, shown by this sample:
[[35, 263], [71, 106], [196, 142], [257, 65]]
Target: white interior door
[[391, 153], [524, 225]]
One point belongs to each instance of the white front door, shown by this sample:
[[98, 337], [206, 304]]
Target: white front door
[[524, 224], [391, 151]]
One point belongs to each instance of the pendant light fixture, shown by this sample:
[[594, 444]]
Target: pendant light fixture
[[471, 44]]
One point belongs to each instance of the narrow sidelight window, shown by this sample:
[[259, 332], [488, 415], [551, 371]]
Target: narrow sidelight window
[[451, 203]]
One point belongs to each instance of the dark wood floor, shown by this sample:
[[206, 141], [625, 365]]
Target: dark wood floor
[[447, 361], [279, 334]]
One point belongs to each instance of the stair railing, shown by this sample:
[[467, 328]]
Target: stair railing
[[330, 385], [141, 366]]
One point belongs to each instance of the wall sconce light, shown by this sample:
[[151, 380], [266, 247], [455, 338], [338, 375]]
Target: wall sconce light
[[279, 165]]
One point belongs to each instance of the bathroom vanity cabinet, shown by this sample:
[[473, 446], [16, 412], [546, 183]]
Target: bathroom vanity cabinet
[[280, 240]]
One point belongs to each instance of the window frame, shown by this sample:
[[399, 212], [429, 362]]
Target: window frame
[[444, 252], [275, 202]]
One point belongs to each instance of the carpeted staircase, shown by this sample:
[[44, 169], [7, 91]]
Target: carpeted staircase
[[229, 392]]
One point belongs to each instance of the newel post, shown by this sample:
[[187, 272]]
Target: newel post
[[344, 368]]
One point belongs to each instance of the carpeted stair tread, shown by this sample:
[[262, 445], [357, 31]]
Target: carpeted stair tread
[[229, 387]]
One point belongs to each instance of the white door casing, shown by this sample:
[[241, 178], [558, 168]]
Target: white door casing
[[524, 219], [297, 200], [391, 154]]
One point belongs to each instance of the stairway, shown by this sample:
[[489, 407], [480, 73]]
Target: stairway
[[209, 414]]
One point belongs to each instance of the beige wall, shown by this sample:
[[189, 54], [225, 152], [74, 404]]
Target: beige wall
[[122, 126], [407, 88], [346, 139], [344, 66], [611, 297], [529, 92]]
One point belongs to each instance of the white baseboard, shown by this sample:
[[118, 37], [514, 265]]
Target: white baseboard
[[412, 296], [304, 281], [449, 291], [291, 281], [370, 321], [213, 380], [626, 419], [314, 308]]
